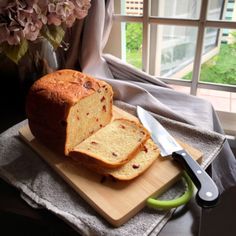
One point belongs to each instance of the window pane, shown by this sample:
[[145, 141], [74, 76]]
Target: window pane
[[129, 7], [172, 50], [188, 9], [222, 10], [125, 42], [211, 39], [133, 36], [219, 58], [221, 100]]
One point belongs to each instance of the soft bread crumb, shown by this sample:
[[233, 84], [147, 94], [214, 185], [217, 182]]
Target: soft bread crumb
[[114, 144], [141, 160]]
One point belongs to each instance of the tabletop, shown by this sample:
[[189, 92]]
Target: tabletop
[[17, 216]]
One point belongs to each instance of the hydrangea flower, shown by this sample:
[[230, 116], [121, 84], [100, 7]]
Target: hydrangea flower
[[23, 21]]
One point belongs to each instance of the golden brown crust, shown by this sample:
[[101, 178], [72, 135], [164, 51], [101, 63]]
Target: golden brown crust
[[95, 159], [49, 100], [66, 86]]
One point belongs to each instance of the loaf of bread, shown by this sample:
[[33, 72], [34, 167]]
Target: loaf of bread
[[66, 106], [71, 113], [132, 169], [113, 145]]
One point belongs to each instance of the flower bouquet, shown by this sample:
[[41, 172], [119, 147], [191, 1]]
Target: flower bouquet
[[25, 21]]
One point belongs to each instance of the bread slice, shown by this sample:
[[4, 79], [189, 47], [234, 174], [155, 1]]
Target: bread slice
[[132, 169], [67, 106], [113, 145], [137, 165]]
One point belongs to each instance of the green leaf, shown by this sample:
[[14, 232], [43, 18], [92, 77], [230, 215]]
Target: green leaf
[[15, 52], [54, 34]]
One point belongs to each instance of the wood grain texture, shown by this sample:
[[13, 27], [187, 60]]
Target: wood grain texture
[[116, 201]]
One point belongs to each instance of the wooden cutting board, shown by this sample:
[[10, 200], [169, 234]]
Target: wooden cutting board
[[116, 201]]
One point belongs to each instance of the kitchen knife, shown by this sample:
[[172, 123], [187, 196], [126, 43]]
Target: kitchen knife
[[208, 194]]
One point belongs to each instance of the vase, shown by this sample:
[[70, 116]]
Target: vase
[[40, 59], [16, 79]]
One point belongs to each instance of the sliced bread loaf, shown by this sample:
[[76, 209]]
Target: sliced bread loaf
[[132, 169], [113, 145], [137, 165], [67, 106]]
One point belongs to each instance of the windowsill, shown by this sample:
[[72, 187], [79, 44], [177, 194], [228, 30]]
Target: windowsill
[[228, 121], [225, 105], [221, 100]]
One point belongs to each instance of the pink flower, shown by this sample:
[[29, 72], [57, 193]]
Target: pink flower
[[81, 8], [25, 18], [70, 20], [3, 33], [28, 19], [61, 12], [65, 9], [40, 12], [14, 35], [53, 19], [32, 30]]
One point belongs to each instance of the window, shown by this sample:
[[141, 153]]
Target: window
[[189, 44]]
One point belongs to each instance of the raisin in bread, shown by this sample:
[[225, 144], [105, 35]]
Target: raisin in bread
[[113, 145], [66, 106], [132, 169]]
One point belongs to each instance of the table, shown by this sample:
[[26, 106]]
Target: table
[[16, 216]]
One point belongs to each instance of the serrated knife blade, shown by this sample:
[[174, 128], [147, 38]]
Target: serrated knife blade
[[208, 194]]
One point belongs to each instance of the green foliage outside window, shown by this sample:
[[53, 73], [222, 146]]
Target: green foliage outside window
[[134, 44], [134, 36], [222, 67], [219, 69]]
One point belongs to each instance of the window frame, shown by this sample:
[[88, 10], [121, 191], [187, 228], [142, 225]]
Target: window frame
[[201, 24]]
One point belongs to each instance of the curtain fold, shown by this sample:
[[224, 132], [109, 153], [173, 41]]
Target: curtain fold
[[95, 33]]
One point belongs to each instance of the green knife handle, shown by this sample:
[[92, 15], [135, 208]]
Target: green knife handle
[[208, 194]]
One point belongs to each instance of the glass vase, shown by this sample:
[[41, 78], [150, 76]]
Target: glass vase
[[40, 59]]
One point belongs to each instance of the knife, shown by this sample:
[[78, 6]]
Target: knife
[[207, 194]]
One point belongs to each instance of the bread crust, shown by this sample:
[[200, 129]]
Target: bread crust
[[140, 162], [49, 100]]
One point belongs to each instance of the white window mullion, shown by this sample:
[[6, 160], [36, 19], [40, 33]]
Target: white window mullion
[[124, 18], [146, 36], [221, 24], [156, 32], [199, 48], [173, 21]]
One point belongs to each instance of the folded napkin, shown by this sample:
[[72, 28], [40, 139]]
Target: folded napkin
[[40, 186]]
